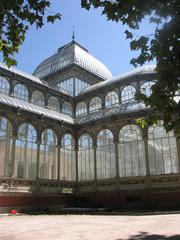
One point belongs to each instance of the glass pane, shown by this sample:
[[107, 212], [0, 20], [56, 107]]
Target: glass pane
[[128, 94], [26, 152], [21, 92], [95, 104], [4, 85], [111, 99]]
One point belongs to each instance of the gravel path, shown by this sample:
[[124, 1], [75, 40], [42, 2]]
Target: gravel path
[[89, 227]]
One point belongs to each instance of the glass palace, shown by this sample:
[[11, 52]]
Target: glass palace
[[70, 131]]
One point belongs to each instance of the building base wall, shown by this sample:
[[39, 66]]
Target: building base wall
[[33, 202], [131, 200], [122, 201]]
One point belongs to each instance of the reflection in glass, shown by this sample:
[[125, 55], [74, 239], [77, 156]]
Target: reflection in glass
[[5, 147], [67, 159], [128, 94], [53, 103], [95, 104], [48, 155], [38, 98], [131, 152], [4, 86], [162, 151], [81, 109], [26, 152], [67, 108], [21, 92], [106, 165], [85, 158], [111, 99]]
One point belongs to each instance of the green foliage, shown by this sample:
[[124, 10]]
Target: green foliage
[[15, 18], [163, 45]]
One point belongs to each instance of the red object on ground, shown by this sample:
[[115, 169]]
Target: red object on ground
[[13, 211]]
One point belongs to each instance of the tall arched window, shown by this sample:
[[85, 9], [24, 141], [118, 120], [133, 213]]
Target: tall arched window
[[146, 88], [95, 104], [5, 147], [81, 109], [26, 152], [21, 92], [128, 94], [85, 158], [53, 103], [4, 85], [38, 98], [131, 152], [67, 162], [67, 108], [162, 151], [111, 99], [48, 155], [106, 163]]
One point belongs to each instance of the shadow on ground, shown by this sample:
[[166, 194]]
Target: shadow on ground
[[147, 236], [96, 211]]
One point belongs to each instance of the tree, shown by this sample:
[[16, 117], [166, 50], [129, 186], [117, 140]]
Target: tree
[[15, 18], [162, 45]]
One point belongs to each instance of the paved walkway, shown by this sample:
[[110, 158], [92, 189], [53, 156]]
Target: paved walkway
[[89, 227]]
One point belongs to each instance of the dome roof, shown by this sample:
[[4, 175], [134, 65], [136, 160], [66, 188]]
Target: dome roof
[[72, 53]]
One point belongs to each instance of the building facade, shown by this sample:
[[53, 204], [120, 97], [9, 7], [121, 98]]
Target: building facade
[[69, 134]]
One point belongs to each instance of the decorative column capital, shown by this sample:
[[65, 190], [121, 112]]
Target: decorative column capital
[[94, 144], [38, 141], [116, 141], [38, 138]]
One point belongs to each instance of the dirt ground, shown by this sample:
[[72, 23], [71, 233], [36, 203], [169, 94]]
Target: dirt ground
[[90, 227]]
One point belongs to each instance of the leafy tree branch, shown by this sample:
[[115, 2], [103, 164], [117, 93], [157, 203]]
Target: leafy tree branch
[[163, 45], [15, 18]]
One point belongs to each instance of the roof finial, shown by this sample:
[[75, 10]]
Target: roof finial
[[73, 34]]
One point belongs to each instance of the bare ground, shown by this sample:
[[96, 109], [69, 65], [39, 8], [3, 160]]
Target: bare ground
[[90, 227]]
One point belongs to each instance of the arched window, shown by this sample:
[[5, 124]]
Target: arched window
[[146, 88], [5, 147], [38, 98], [106, 163], [48, 155], [85, 158], [128, 94], [131, 152], [81, 109], [162, 151], [67, 163], [4, 85], [111, 99], [67, 108], [95, 104], [21, 92], [53, 103], [26, 152]]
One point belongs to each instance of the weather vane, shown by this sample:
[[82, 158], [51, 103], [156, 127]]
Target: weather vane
[[73, 34]]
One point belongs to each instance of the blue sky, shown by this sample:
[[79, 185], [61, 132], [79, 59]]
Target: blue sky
[[104, 39]]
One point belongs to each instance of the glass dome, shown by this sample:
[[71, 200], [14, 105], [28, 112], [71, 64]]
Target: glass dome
[[72, 53]]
